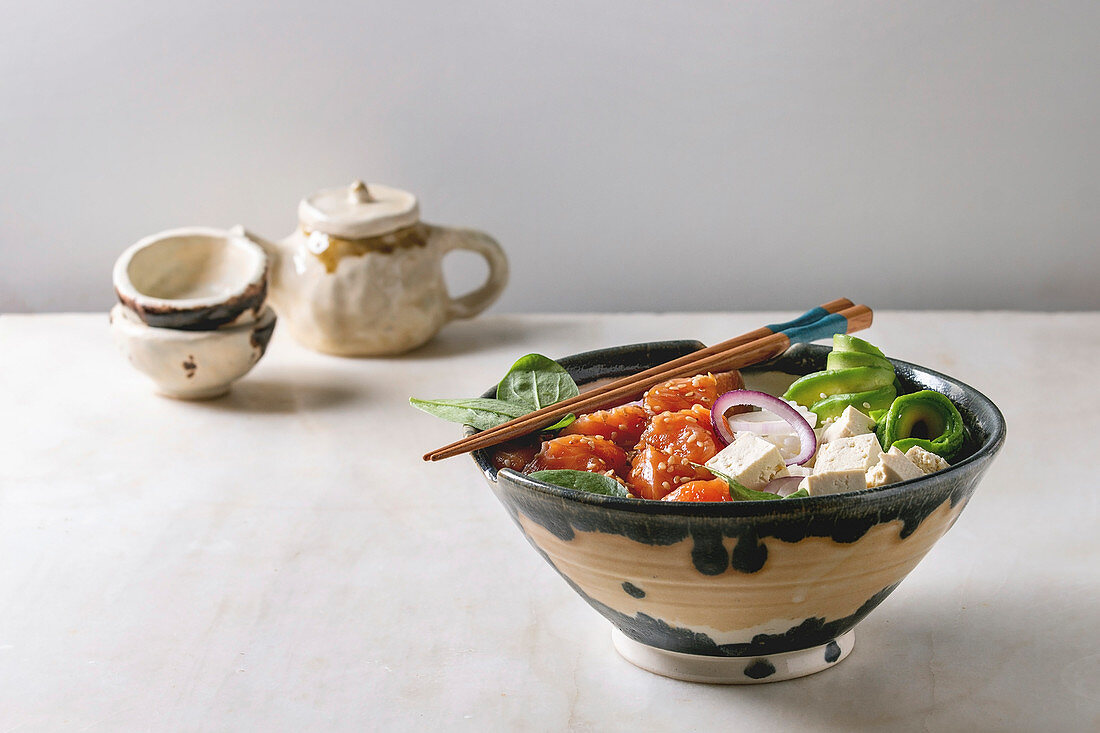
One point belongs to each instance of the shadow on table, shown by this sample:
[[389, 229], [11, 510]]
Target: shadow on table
[[1008, 663], [284, 396]]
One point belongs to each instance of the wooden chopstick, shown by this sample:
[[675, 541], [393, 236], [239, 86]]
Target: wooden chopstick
[[837, 316]]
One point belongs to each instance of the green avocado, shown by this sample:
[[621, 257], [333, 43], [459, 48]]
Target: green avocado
[[868, 402], [844, 342], [926, 418], [809, 389], [848, 359]]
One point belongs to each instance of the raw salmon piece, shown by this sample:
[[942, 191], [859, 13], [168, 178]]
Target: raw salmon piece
[[685, 434], [621, 425], [712, 490], [580, 453], [654, 473]]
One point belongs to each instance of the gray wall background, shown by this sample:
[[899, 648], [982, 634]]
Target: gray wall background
[[628, 155]]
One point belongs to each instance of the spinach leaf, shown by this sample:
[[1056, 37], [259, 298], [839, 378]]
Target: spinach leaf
[[533, 382], [594, 483], [800, 494], [536, 381], [478, 412]]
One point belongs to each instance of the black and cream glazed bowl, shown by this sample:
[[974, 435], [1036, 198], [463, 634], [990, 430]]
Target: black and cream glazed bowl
[[193, 279], [747, 591], [192, 313]]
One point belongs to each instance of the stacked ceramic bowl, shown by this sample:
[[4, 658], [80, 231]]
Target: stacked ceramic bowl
[[192, 312]]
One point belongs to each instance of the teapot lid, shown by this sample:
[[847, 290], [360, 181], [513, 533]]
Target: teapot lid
[[358, 211]]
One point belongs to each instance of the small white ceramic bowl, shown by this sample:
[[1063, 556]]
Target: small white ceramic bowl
[[196, 278], [192, 365]]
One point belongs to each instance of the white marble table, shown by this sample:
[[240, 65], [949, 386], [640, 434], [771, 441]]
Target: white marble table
[[281, 559]]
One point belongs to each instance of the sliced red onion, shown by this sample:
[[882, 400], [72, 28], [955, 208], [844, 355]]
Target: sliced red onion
[[784, 485], [764, 401]]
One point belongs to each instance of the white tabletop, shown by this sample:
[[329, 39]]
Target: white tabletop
[[281, 559]]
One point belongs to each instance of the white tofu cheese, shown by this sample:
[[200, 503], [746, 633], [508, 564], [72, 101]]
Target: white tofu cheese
[[751, 460], [796, 470], [926, 461], [892, 467], [849, 424], [860, 452], [834, 482], [788, 444]]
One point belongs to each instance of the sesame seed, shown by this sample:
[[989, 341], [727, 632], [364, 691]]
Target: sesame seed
[[661, 466], [867, 405], [665, 485]]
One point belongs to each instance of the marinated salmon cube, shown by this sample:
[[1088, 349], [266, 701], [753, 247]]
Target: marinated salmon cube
[[621, 425], [686, 434], [712, 490], [654, 473], [515, 454], [684, 392], [580, 453]]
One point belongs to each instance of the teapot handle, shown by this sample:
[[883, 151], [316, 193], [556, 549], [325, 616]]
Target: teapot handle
[[472, 303]]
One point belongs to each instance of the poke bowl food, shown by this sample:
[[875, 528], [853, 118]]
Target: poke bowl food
[[736, 526]]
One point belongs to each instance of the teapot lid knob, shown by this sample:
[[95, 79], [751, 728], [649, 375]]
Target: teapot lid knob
[[358, 193], [358, 212]]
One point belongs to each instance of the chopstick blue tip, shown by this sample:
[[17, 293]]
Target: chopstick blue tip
[[810, 316], [822, 328]]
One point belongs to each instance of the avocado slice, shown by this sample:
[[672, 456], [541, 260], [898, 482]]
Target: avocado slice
[[926, 418], [807, 390], [845, 342], [870, 402], [849, 359]]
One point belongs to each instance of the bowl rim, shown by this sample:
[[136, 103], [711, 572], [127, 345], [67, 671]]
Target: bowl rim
[[751, 508], [130, 296]]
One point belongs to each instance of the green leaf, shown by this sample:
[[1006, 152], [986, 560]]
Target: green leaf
[[536, 381], [800, 494], [594, 483], [564, 422], [478, 412], [739, 491]]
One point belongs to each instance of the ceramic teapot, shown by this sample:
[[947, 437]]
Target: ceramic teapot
[[363, 276]]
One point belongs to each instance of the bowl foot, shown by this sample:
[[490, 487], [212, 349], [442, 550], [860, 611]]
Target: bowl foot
[[209, 393], [733, 670]]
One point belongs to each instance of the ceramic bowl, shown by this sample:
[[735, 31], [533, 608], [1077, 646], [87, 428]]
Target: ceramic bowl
[[192, 365], [744, 592], [194, 279]]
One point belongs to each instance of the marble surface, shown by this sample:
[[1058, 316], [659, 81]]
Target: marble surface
[[281, 559]]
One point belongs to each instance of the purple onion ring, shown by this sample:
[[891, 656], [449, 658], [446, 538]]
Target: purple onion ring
[[806, 436]]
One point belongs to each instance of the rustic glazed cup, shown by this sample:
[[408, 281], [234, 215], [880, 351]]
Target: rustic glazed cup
[[748, 591], [195, 278], [191, 313], [188, 364]]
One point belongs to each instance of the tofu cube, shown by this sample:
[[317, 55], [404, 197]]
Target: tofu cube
[[892, 467], [926, 461], [751, 460], [834, 482], [796, 470], [848, 454], [849, 424]]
